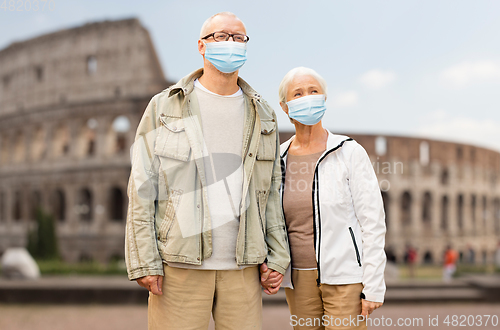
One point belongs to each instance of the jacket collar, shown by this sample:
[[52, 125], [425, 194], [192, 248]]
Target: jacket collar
[[333, 141], [186, 86]]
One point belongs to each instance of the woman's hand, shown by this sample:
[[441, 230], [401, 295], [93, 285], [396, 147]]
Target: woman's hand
[[367, 307]]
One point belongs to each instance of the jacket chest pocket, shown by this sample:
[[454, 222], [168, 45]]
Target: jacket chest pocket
[[267, 144], [172, 141]]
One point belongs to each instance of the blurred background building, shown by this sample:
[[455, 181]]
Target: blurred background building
[[69, 105], [70, 102]]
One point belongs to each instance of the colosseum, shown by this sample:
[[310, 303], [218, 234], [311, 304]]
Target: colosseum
[[69, 105]]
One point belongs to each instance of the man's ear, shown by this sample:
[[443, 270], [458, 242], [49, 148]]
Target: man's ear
[[284, 107], [201, 47]]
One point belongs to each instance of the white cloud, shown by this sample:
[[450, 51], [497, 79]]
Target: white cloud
[[470, 72], [377, 79], [443, 126], [344, 99]]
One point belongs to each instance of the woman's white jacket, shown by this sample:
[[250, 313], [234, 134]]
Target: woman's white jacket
[[349, 219]]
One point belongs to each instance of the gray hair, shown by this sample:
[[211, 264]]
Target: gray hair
[[204, 28], [299, 72]]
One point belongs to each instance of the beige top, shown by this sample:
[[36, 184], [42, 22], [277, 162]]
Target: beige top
[[298, 208]]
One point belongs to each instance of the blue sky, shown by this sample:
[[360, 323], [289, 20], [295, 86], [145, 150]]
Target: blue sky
[[413, 67]]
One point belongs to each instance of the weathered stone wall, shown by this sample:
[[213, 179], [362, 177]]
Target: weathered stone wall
[[70, 102]]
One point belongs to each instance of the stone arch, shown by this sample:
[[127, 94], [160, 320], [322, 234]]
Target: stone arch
[[460, 211], [424, 153], [61, 141], [444, 212], [59, 205], [427, 208], [5, 154], [473, 205], [38, 147], [445, 176], [386, 200], [380, 146], [118, 134], [116, 205], [16, 206], [19, 152], [88, 138], [496, 215], [406, 205], [427, 213], [35, 203], [91, 64], [85, 204], [484, 211]]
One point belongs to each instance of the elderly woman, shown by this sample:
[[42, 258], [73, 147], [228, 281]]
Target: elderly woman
[[334, 215]]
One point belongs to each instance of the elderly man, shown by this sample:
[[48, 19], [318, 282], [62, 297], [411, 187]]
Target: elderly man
[[204, 209]]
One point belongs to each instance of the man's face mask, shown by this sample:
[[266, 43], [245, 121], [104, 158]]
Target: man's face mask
[[226, 56]]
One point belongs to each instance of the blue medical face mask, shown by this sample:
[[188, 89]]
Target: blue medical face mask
[[307, 110], [226, 56]]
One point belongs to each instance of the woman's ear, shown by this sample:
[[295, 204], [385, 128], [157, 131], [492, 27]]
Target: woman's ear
[[284, 107]]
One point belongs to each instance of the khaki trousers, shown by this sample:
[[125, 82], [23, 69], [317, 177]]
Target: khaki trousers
[[190, 296], [325, 307]]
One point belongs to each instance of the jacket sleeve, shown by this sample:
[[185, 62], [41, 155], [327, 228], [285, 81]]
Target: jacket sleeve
[[141, 251], [369, 209], [278, 257]]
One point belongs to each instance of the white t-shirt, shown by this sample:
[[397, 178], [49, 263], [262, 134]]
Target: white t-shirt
[[222, 121]]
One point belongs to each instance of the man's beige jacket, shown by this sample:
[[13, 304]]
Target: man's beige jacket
[[168, 218]]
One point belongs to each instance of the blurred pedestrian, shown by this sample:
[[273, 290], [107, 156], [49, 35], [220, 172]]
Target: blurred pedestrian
[[411, 259], [450, 260]]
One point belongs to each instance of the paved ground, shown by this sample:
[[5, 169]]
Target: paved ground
[[106, 317]]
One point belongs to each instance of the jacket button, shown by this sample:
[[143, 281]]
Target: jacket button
[[198, 258], [198, 206], [265, 131], [250, 155]]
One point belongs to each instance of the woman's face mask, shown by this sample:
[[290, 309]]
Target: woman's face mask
[[307, 110]]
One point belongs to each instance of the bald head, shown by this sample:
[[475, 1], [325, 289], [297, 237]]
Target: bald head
[[220, 19]]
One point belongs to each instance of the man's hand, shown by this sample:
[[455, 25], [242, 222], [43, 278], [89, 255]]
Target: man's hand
[[270, 279], [367, 307], [153, 283]]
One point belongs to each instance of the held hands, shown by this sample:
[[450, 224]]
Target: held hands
[[367, 307], [270, 279], [153, 283]]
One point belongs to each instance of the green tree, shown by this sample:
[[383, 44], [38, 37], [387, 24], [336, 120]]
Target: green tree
[[42, 240]]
